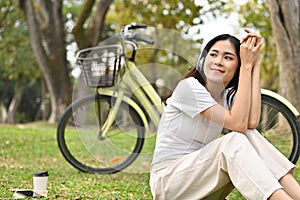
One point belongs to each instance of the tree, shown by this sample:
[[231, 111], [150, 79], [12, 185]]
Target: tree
[[18, 66], [46, 30], [285, 18]]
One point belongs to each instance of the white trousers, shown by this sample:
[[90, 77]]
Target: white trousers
[[247, 162]]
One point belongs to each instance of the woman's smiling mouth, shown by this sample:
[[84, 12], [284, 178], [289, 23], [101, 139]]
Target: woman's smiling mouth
[[218, 70]]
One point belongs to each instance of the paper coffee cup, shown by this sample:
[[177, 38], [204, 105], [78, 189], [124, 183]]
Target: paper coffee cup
[[40, 180]]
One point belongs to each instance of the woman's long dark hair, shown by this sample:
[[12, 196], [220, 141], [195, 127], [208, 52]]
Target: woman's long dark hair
[[198, 71]]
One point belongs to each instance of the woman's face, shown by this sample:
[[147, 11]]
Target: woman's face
[[221, 63]]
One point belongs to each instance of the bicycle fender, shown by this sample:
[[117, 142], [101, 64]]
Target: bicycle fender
[[281, 99], [130, 102]]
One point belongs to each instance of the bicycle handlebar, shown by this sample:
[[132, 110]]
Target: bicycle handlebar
[[133, 37], [139, 37], [136, 26]]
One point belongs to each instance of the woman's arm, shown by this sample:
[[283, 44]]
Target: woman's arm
[[237, 118], [255, 109]]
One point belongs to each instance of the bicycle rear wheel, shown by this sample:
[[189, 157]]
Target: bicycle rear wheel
[[279, 125], [81, 143]]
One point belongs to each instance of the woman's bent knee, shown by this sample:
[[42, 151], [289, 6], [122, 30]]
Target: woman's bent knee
[[234, 142], [235, 137]]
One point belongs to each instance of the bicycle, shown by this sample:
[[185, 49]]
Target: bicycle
[[104, 133]]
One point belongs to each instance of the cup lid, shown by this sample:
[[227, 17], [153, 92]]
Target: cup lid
[[40, 174]]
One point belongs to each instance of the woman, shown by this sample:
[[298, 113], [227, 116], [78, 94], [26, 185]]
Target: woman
[[190, 161]]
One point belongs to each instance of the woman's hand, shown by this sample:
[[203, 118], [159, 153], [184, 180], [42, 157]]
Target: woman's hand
[[249, 49]]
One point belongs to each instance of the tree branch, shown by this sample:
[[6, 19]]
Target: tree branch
[[98, 21], [78, 30]]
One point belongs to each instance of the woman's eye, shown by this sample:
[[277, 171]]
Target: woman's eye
[[228, 58], [213, 55]]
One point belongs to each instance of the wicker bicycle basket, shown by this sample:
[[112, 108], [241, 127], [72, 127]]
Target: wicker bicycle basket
[[100, 65]]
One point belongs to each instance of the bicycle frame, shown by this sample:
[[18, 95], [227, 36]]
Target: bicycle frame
[[141, 88], [144, 91]]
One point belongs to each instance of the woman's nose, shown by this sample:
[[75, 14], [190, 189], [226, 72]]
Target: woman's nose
[[218, 61]]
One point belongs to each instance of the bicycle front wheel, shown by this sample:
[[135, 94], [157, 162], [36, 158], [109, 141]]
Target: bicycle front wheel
[[279, 125], [80, 138]]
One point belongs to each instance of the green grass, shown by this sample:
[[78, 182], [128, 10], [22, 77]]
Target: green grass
[[25, 149], [29, 148]]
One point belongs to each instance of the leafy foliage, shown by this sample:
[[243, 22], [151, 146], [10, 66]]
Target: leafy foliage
[[16, 57], [175, 15]]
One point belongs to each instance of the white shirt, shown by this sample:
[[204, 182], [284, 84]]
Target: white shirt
[[182, 129]]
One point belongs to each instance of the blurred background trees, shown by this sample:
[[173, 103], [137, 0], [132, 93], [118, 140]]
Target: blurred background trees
[[19, 74], [38, 40]]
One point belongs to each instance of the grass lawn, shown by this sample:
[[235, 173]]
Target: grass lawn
[[25, 149]]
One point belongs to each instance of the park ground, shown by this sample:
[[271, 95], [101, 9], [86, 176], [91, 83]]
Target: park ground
[[25, 149]]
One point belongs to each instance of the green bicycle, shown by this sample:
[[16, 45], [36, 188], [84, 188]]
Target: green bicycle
[[105, 132]]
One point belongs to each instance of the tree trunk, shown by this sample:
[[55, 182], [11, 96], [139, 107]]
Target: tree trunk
[[46, 29], [285, 19], [78, 30], [92, 35], [3, 113], [98, 21], [15, 102]]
